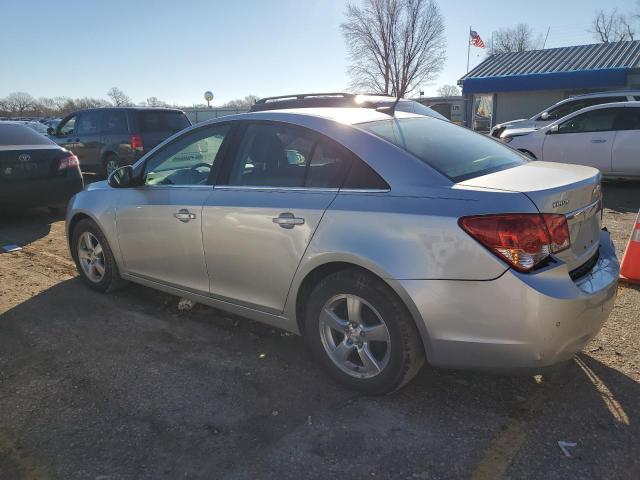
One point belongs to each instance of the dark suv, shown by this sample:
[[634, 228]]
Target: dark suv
[[104, 139]]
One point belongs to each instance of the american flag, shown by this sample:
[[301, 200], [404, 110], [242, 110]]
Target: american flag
[[475, 40]]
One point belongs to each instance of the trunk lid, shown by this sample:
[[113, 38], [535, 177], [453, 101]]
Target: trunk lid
[[28, 162], [572, 190]]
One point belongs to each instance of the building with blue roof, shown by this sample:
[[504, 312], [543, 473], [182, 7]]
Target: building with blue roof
[[509, 86]]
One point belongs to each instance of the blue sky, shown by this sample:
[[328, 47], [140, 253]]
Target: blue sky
[[175, 50]]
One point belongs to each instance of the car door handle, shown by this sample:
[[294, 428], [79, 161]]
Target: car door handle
[[288, 220], [184, 215], [599, 140]]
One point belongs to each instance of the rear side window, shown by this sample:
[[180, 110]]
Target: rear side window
[[272, 156], [114, 122], [454, 151], [363, 177], [328, 166], [288, 156], [162, 121], [627, 119], [13, 134]]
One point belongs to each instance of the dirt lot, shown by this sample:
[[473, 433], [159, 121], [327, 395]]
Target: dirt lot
[[124, 386]]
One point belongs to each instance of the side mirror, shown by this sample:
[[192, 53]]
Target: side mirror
[[553, 129], [51, 131], [545, 116], [122, 177]]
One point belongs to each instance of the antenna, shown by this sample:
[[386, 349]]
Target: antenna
[[389, 110]]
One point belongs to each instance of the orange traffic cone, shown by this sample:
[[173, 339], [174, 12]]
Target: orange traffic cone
[[630, 267]]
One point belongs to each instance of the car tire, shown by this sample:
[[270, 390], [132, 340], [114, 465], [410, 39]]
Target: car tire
[[378, 350], [93, 257], [110, 163]]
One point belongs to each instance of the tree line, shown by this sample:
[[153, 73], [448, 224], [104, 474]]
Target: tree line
[[23, 104]]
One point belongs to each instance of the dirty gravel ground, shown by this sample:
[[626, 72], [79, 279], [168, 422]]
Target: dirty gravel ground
[[124, 386]]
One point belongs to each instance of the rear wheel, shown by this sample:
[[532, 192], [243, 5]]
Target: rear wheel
[[362, 333], [93, 257]]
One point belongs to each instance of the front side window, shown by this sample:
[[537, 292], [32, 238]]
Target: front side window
[[68, 127], [601, 120], [187, 161], [88, 123], [454, 151]]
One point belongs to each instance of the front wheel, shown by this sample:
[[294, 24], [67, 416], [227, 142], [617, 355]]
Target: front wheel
[[111, 164], [93, 257], [362, 333]]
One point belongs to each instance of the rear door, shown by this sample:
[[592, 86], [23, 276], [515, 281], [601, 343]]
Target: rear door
[[88, 141], [157, 126], [626, 146], [257, 223], [159, 224], [585, 139]]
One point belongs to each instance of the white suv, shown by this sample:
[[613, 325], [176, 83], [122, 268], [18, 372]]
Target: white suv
[[564, 108]]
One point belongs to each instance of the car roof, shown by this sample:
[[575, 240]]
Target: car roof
[[325, 100], [612, 93], [133, 109], [345, 115]]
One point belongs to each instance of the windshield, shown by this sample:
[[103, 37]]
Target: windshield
[[454, 151]]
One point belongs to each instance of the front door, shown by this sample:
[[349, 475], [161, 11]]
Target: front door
[[65, 135], [159, 223], [585, 139], [89, 140], [259, 221]]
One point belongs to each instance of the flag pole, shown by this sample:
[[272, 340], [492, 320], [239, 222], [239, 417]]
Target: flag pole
[[468, 47]]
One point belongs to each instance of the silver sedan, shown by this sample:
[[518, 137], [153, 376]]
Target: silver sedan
[[384, 239]]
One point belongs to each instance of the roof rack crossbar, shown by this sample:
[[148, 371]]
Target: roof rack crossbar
[[301, 96]]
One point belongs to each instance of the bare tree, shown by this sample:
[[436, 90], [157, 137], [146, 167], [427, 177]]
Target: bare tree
[[448, 91], [613, 26], [241, 103], [18, 103], [517, 39], [118, 97], [394, 45], [155, 102]]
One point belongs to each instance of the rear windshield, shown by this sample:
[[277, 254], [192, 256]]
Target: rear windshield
[[14, 134], [454, 151], [162, 121]]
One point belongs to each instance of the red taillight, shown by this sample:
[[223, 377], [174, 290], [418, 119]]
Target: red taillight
[[70, 161], [523, 240], [136, 143]]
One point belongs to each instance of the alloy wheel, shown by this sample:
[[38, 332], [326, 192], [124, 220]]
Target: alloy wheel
[[111, 166], [91, 257], [354, 336]]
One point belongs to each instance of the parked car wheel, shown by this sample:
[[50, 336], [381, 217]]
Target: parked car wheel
[[362, 333], [111, 163], [93, 257]]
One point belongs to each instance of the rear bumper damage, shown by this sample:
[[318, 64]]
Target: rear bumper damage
[[519, 321]]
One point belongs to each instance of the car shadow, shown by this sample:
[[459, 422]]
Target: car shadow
[[95, 383], [622, 196], [25, 225]]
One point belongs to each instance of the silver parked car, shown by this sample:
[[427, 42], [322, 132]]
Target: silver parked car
[[384, 239]]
